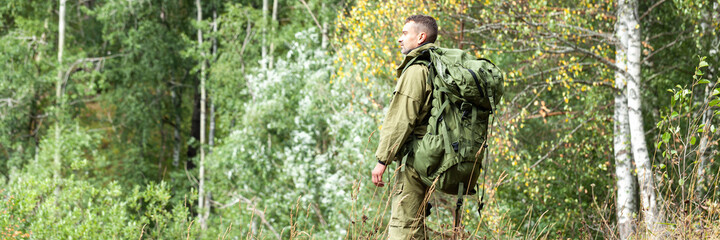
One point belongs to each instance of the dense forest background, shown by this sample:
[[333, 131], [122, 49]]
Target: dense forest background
[[170, 119]]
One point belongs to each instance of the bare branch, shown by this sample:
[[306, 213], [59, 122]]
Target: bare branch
[[73, 66], [590, 83], [677, 40], [676, 33], [322, 30], [576, 48], [248, 35], [490, 26], [9, 101], [662, 72], [83, 100], [650, 9], [560, 143], [552, 70]]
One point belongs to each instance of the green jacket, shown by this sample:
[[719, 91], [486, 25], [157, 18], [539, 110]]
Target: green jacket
[[408, 108]]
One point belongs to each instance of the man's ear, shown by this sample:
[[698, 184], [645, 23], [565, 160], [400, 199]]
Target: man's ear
[[422, 37]]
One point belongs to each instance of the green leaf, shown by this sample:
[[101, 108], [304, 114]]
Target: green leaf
[[674, 114], [698, 72], [714, 102], [704, 81], [666, 137], [703, 64], [692, 140]]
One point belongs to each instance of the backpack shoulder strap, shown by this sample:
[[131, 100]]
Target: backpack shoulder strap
[[423, 58]]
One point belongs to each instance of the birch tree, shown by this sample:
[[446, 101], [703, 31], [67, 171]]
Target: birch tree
[[273, 31], [201, 175], [264, 50], [58, 94], [625, 180], [629, 37]]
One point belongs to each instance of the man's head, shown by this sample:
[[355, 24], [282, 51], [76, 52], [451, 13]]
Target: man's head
[[418, 30]]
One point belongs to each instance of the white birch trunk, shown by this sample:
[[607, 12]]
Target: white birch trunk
[[626, 201], [211, 135], [176, 134], [325, 40], [201, 178], [271, 58], [263, 49], [628, 16], [58, 96]]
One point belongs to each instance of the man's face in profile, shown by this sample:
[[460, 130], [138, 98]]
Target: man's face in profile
[[410, 37]]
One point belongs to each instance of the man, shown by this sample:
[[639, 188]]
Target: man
[[406, 121]]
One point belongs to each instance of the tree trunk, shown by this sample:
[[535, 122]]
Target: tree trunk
[[201, 172], [626, 201], [628, 16], [323, 31], [263, 49], [271, 58], [59, 98], [211, 135], [176, 135]]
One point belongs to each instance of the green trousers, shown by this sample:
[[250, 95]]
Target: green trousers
[[407, 219]]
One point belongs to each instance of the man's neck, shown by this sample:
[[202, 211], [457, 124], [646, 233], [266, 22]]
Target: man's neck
[[416, 48]]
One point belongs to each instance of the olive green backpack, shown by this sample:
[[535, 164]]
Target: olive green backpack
[[465, 93]]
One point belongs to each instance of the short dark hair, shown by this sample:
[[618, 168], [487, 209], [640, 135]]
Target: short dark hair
[[428, 25]]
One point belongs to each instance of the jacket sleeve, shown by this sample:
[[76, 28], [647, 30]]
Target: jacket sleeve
[[408, 98]]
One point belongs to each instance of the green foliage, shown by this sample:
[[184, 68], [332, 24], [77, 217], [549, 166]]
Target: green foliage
[[294, 140], [83, 210], [684, 159]]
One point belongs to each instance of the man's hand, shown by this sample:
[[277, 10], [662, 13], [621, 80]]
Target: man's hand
[[377, 174]]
